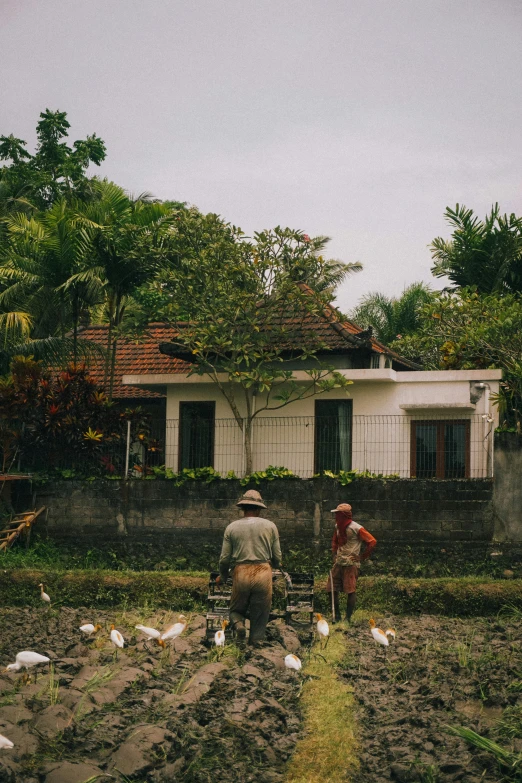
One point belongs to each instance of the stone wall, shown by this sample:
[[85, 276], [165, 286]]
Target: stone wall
[[404, 511], [507, 499]]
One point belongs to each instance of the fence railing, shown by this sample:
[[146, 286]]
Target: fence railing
[[401, 445], [408, 446]]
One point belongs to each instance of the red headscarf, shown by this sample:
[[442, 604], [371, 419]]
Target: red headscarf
[[342, 526]]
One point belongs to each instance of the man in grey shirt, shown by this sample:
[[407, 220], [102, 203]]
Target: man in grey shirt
[[252, 543]]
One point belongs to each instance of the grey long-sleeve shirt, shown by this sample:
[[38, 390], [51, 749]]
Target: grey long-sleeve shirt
[[250, 538]]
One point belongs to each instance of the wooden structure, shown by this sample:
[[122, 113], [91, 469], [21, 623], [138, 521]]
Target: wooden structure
[[19, 525]]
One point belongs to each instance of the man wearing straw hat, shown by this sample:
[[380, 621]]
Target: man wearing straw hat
[[252, 544]]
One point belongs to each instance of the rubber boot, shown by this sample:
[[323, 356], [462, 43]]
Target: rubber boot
[[350, 606], [240, 631]]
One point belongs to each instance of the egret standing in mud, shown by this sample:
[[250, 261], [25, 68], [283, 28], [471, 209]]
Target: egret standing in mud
[[175, 630], [43, 595], [27, 660], [219, 636], [117, 640], [381, 637], [89, 629], [5, 743], [323, 630]]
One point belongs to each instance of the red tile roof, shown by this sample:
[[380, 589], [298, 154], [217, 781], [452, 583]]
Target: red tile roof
[[135, 357], [143, 357], [347, 329]]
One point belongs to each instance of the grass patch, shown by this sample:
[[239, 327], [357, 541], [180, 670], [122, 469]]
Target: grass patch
[[329, 746], [150, 590]]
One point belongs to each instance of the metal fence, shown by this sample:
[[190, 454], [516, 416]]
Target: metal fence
[[407, 446], [401, 445]]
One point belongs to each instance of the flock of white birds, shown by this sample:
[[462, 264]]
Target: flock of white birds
[[27, 659]]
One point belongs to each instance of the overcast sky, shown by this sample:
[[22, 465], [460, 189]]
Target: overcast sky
[[356, 119]]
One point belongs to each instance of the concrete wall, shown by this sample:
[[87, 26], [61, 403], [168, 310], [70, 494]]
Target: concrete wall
[[401, 512], [507, 499]]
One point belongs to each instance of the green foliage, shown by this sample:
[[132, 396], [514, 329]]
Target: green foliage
[[49, 419], [245, 315], [208, 475], [40, 264], [486, 254], [269, 474], [101, 589], [104, 588], [345, 477], [467, 330], [393, 317], [511, 763], [54, 170]]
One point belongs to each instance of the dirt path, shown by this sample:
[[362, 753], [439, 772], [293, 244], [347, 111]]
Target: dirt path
[[439, 671], [152, 715]]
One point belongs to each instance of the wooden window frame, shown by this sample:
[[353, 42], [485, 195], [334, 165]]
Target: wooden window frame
[[440, 467], [212, 435]]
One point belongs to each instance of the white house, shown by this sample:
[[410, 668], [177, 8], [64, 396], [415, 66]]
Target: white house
[[394, 419]]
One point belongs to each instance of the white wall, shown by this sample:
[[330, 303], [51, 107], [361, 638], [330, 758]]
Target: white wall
[[381, 420]]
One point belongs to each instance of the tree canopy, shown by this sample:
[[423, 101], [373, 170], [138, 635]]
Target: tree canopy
[[485, 253], [244, 314], [469, 330], [389, 316], [54, 170]]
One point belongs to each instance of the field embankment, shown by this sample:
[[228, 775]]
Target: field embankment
[[463, 597]]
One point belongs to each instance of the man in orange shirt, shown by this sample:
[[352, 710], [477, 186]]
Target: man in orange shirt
[[347, 544]]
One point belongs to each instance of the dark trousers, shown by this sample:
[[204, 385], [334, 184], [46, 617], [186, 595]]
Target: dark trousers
[[252, 594]]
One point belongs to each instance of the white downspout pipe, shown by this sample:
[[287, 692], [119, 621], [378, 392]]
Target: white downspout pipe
[[489, 433]]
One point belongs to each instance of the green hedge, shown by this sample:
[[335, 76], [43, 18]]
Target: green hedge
[[452, 597]]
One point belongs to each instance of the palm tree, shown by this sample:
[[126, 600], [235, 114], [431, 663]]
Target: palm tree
[[40, 255], [392, 317], [126, 253], [333, 274], [301, 259], [486, 254]]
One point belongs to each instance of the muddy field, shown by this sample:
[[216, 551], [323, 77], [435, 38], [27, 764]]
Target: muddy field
[[151, 715], [181, 714], [439, 672]]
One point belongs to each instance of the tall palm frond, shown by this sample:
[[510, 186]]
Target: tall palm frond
[[334, 273], [392, 316], [485, 254]]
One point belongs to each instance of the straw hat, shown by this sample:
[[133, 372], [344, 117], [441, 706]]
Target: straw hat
[[251, 498]]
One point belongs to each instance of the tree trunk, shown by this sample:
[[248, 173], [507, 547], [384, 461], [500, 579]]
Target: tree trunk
[[118, 318], [248, 445], [108, 356], [76, 316], [113, 367]]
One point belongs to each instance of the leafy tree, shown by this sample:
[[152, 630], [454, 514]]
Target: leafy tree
[[246, 315], [55, 170], [390, 316], [312, 268], [467, 330], [486, 254]]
